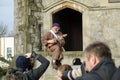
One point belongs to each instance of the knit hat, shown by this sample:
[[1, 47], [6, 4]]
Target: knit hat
[[56, 24], [22, 62]]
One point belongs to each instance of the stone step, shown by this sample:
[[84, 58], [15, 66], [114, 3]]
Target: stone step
[[51, 74]]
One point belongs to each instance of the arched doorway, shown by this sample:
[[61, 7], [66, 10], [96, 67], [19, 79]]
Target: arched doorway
[[71, 23]]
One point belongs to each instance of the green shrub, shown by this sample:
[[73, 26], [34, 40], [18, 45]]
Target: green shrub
[[2, 71], [4, 60]]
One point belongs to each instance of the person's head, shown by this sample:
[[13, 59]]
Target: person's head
[[76, 61], [55, 27], [94, 53], [61, 69], [10, 77], [15, 76], [23, 63]]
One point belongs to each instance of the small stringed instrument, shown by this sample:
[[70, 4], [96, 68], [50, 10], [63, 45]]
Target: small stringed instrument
[[51, 44]]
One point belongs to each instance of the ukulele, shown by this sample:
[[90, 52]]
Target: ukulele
[[51, 44]]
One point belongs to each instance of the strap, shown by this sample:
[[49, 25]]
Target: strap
[[54, 34]]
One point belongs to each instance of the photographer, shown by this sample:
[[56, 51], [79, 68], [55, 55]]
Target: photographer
[[98, 64], [61, 69], [24, 69]]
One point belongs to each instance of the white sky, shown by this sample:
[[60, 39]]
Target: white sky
[[7, 13]]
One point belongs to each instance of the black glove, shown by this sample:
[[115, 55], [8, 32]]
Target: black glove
[[12, 71], [33, 55]]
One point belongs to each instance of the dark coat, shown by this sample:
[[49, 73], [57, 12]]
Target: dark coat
[[49, 36], [35, 74], [55, 48], [116, 76], [103, 71]]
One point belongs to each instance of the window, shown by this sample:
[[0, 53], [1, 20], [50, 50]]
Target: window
[[9, 53]]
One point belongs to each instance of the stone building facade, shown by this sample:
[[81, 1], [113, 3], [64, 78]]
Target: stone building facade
[[84, 21]]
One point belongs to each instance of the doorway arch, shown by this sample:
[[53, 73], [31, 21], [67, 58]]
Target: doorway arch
[[71, 23]]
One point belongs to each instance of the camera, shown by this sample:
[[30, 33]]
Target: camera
[[71, 74], [12, 71]]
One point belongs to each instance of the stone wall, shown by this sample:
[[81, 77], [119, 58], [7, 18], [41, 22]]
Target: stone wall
[[21, 23], [103, 25], [100, 21]]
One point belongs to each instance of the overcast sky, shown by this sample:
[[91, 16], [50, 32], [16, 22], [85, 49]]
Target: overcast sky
[[7, 13]]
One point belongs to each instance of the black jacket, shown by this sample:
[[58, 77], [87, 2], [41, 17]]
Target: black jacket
[[116, 76], [103, 71], [35, 74]]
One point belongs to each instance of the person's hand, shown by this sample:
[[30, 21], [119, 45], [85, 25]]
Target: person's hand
[[52, 41], [77, 73], [28, 55], [59, 74], [62, 37]]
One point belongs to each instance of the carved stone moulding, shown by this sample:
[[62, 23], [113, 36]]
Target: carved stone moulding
[[114, 1]]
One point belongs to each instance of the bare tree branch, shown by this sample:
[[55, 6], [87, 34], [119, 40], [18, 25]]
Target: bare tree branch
[[3, 29], [11, 33]]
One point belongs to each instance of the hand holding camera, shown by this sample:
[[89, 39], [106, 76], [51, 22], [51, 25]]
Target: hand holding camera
[[28, 55], [73, 74]]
